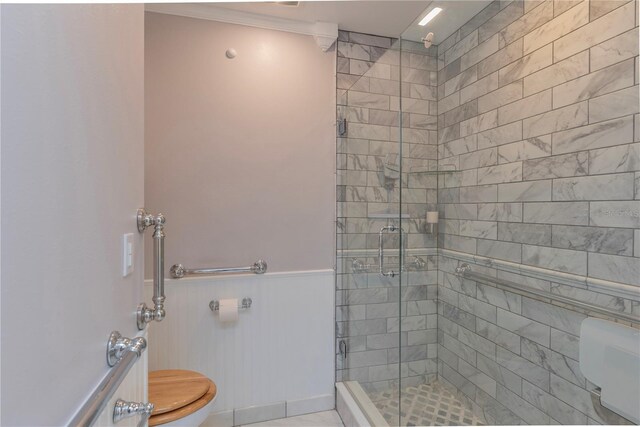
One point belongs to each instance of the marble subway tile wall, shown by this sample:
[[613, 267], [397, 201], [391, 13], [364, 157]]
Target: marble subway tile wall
[[370, 70], [538, 113]]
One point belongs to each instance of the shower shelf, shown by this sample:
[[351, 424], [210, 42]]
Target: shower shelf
[[388, 215], [437, 172], [432, 172]]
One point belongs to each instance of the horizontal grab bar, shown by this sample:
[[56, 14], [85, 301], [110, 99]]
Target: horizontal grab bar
[[465, 271], [178, 271], [417, 264]]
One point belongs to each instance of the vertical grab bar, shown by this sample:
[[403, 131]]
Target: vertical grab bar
[[144, 313], [389, 273]]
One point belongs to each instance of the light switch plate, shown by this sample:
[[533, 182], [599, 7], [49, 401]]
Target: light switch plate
[[127, 254]]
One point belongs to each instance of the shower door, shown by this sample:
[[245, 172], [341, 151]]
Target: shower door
[[386, 314]]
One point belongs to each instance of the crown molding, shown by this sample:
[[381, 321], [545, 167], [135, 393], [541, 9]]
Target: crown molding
[[324, 33]]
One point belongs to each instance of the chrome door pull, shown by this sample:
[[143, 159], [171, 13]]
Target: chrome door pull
[[124, 409], [157, 313], [391, 228]]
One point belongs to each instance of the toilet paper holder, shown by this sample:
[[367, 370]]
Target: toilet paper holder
[[214, 305]]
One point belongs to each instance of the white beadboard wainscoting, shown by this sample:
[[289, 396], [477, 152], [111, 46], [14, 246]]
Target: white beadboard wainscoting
[[276, 360]]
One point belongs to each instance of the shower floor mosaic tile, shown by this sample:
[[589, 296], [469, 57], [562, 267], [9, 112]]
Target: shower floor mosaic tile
[[425, 405]]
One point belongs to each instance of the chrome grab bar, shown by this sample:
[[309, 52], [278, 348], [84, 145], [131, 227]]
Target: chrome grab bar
[[392, 228], [122, 354], [144, 313], [417, 264], [465, 270], [178, 271]]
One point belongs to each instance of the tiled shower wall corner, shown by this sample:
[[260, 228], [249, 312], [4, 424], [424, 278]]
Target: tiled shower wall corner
[[538, 111], [369, 97]]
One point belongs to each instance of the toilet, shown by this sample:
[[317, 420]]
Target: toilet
[[180, 397]]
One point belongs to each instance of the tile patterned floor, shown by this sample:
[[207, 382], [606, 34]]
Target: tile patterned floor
[[318, 419], [426, 405]]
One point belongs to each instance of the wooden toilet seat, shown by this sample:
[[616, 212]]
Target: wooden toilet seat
[[177, 393]]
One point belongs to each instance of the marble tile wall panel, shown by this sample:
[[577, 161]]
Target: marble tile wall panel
[[561, 6], [525, 24], [500, 250], [603, 28], [560, 72], [557, 27], [616, 104], [531, 148], [609, 79], [479, 88], [615, 241], [484, 49], [528, 64], [614, 50], [500, 97], [556, 168], [568, 117], [501, 58], [601, 187], [602, 134], [573, 164], [518, 110], [599, 8], [623, 158], [501, 20]]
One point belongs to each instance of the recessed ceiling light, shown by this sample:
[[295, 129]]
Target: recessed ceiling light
[[430, 16]]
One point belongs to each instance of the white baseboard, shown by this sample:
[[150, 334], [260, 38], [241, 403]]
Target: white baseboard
[[256, 414], [313, 404]]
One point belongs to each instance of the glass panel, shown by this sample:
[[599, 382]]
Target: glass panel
[[387, 185], [517, 211], [369, 179], [419, 198], [424, 399]]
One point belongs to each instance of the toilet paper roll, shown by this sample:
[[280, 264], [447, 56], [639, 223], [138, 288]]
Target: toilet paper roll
[[228, 310]]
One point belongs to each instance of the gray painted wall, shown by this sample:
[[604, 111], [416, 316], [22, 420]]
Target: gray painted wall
[[72, 179], [239, 153]]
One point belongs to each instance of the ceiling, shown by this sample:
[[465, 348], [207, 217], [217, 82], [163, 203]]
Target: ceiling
[[384, 18], [454, 14]]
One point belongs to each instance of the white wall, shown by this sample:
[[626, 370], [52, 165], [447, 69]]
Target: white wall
[[240, 154], [279, 350], [72, 179]]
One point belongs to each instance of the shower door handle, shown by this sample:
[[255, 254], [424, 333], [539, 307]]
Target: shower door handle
[[391, 228]]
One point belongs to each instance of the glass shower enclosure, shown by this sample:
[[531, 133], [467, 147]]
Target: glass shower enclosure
[[487, 205], [387, 188]]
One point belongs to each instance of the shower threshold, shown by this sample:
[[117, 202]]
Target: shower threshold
[[421, 405]]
